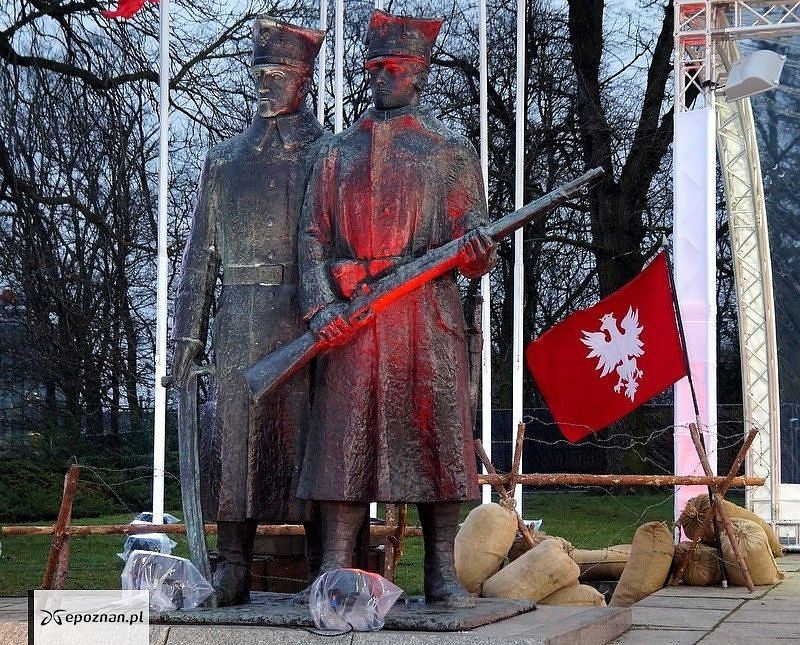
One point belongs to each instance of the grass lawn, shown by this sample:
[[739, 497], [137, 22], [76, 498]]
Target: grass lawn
[[93, 561], [587, 519]]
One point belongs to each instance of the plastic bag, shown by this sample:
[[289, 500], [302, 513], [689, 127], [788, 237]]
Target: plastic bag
[[345, 599], [157, 542], [146, 516], [173, 582]]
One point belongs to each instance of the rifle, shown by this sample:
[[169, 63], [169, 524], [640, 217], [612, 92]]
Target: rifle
[[270, 372]]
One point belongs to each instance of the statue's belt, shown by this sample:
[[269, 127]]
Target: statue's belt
[[260, 274]]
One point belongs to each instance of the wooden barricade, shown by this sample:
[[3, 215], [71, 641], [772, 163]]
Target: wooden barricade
[[394, 531]]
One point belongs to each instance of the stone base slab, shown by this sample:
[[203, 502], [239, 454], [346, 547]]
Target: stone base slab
[[279, 610]]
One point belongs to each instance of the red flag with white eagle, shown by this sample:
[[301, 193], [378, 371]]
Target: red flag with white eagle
[[601, 363]]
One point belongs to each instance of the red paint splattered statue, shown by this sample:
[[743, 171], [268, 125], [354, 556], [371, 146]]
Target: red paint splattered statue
[[391, 417]]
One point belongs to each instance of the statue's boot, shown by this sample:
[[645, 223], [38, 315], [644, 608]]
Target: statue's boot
[[341, 522], [231, 579], [439, 522]]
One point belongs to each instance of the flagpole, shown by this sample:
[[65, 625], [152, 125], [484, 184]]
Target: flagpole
[[159, 417], [486, 294], [685, 352], [519, 258], [681, 334], [323, 26]]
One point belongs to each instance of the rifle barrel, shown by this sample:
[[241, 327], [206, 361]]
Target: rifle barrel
[[509, 223]]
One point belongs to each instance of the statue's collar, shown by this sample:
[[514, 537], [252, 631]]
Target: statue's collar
[[293, 129], [384, 115]]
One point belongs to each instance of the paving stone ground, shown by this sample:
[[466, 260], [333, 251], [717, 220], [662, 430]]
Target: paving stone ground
[[715, 616], [675, 615]]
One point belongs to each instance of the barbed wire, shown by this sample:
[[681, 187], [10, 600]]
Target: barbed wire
[[548, 450]]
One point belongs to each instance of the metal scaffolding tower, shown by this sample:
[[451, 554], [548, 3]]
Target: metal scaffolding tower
[[705, 35]]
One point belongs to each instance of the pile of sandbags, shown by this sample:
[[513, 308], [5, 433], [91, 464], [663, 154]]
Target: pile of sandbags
[[551, 572], [545, 573], [756, 539], [648, 566], [694, 514]]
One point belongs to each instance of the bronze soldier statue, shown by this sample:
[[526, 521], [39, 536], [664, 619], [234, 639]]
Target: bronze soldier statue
[[245, 223], [391, 417]]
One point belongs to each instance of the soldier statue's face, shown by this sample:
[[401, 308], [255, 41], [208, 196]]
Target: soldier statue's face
[[395, 82], [280, 89]]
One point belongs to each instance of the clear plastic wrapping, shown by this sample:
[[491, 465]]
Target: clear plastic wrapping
[[173, 582], [345, 599], [147, 516], [158, 542]]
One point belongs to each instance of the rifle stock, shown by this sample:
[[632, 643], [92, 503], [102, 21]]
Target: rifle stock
[[269, 373]]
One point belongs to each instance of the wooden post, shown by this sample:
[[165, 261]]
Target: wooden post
[[723, 488], [396, 518], [55, 571], [379, 532], [389, 544], [575, 479], [400, 534], [700, 448], [716, 512], [501, 490], [62, 565], [515, 467]]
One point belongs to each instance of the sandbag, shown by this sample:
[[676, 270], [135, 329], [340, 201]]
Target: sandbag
[[756, 552], [648, 565], [542, 571], [695, 512], [575, 596], [520, 546], [482, 543], [602, 564], [703, 569]]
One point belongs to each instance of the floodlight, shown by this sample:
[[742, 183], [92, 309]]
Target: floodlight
[[753, 74]]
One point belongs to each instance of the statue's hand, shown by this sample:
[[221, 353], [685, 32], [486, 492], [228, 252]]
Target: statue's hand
[[477, 253], [330, 324], [183, 355]]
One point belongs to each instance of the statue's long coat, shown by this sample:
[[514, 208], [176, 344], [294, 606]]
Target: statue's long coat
[[391, 416], [245, 223]]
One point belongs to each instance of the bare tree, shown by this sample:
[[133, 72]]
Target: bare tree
[[78, 147]]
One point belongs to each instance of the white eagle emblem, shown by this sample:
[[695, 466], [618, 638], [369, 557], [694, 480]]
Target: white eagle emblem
[[618, 349]]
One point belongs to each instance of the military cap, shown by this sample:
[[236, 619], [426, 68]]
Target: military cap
[[279, 43], [401, 36]]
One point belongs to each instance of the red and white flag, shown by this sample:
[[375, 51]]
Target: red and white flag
[[126, 9], [601, 363]]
